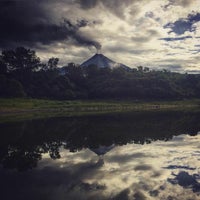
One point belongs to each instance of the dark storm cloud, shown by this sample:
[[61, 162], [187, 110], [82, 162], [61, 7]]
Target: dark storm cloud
[[79, 39], [175, 39], [30, 22], [182, 25]]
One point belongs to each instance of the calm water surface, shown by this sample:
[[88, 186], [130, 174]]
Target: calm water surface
[[116, 156]]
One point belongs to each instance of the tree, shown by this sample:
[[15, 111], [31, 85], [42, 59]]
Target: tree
[[20, 59], [140, 68], [3, 67], [75, 74], [10, 87], [146, 69], [52, 63]]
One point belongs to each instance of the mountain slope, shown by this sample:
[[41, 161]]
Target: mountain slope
[[102, 61]]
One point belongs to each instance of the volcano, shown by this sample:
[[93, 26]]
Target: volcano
[[102, 61]]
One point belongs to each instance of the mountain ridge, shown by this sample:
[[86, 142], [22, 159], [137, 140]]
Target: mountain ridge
[[102, 62]]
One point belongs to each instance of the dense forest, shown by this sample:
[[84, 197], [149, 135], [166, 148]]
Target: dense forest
[[22, 74]]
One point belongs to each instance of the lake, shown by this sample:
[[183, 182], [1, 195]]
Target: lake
[[121, 156]]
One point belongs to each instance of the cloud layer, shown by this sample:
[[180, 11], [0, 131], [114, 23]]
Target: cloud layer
[[157, 34]]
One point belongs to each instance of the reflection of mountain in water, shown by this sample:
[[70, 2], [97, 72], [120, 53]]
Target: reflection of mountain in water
[[101, 150], [23, 143]]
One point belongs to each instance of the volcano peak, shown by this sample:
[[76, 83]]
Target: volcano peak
[[102, 61]]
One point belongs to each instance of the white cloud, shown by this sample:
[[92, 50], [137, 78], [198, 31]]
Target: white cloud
[[131, 33]]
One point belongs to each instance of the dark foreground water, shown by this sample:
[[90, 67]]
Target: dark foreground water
[[117, 156]]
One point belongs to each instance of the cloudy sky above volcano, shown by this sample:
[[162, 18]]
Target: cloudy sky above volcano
[[154, 33]]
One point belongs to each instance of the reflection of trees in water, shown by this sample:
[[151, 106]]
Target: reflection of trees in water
[[22, 144], [20, 158]]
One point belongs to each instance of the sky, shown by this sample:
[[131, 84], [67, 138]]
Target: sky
[[159, 34]]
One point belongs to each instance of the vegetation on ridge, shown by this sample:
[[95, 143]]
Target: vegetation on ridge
[[23, 75]]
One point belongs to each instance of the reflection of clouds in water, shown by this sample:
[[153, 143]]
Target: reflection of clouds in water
[[150, 161], [143, 167], [179, 167], [186, 180], [51, 182], [125, 158], [142, 171], [160, 170]]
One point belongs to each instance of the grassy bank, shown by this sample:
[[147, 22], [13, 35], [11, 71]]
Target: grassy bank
[[20, 109]]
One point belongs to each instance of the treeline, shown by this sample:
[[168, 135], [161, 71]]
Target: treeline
[[23, 151], [22, 74]]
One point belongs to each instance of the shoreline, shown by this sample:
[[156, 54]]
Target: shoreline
[[25, 109]]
